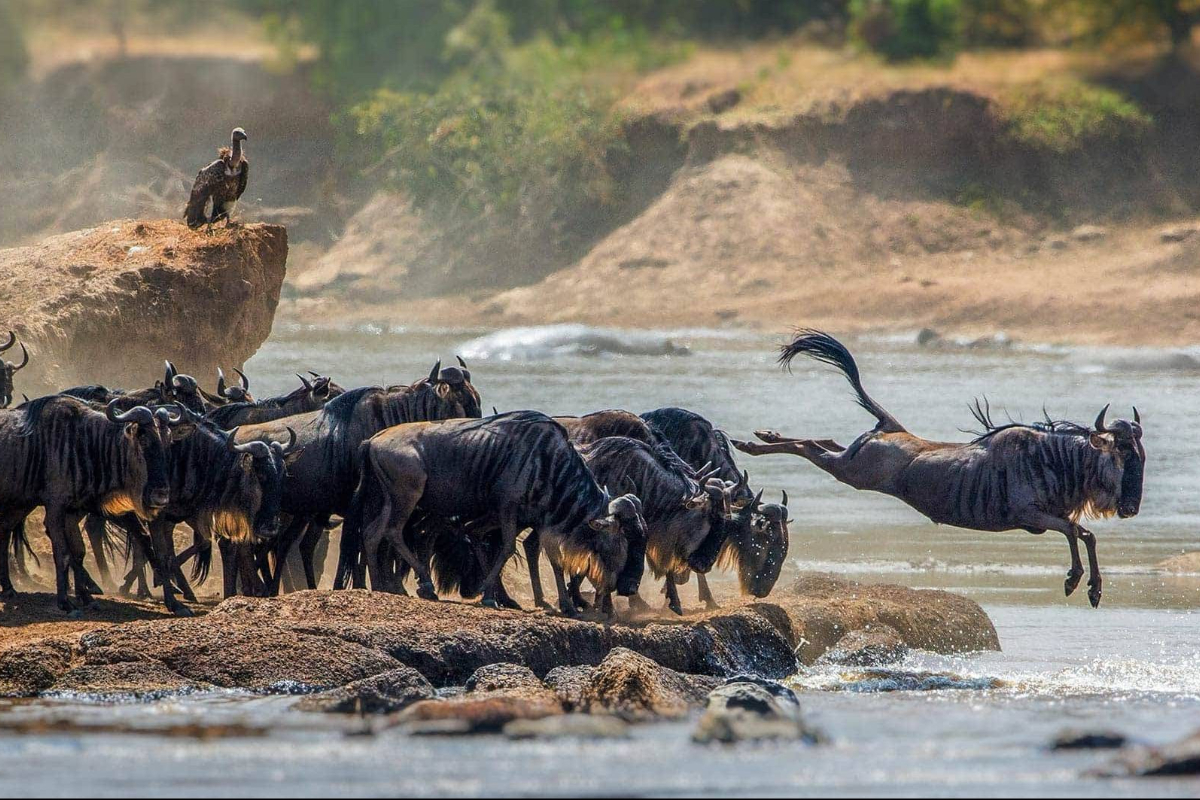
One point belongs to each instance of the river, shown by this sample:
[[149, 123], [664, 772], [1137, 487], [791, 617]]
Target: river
[[933, 725]]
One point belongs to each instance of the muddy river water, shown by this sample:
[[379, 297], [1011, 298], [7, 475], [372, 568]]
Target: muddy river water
[[933, 725]]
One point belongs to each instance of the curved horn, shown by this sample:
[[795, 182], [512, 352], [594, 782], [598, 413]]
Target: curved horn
[[1136, 416], [1100, 427], [24, 359], [314, 374], [461, 363], [138, 414], [171, 372], [245, 380], [785, 499], [12, 339], [307, 384], [291, 445], [433, 373], [256, 449], [757, 500], [222, 389], [495, 413], [745, 478]]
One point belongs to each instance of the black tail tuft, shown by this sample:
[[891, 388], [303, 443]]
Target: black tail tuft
[[828, 350], [203, 563]]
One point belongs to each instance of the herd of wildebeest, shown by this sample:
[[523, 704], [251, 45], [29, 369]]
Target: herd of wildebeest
[[425, 486]]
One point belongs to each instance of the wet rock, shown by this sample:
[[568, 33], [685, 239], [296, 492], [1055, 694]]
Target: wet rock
[[33, 667], [1176, 759], [141, 679], [873, 646], [824, 608], [477, 713], [748, 712], [248, 657], [570, 683], [1089, 233], [1088, 740], [504, 677], [928, 337], [104, 305], [386, 693], [568, 726], [635, 688]]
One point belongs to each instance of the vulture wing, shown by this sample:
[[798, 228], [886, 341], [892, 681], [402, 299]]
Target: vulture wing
[[207, 181], [243, 180]]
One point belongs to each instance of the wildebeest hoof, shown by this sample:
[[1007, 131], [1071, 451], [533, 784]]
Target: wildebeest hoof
[[426, 592], [636, 603], [768, 436], [676, 608], [1072, 583], [568, 610], [180, 610], [488, 602], [712, 605], [93, 587], [1094, 593], [75, 613], [511, 604]]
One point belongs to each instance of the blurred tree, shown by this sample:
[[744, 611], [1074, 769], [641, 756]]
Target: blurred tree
[[906, 29], [998, 23], [1176, 17]]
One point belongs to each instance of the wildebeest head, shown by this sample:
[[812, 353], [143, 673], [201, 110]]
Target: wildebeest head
[[8, 370], [183, 389], [624, 529], [320, 388], [453, 386], [1125, 458], [761, 557], [266, 464], [234, 394], [147, 437]]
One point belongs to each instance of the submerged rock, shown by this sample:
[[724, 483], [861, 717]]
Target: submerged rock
[[568, 726], [1176, 759], [873, 646], [635, 688], [141, 679], [750, 711], [386, 693], [570, 683], [1088, 740]]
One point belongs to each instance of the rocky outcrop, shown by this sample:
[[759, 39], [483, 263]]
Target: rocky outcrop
[[108, 304], [823, 608], [386, 647]]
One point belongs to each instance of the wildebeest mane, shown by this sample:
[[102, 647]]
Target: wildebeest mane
[[982, 412]]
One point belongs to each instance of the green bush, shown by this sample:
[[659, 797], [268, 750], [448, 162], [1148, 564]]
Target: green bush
[[14, 58], [1061, 117], [901, 30], [998, 23]]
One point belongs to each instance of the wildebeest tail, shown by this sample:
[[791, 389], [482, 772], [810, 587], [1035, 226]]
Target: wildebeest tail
[[455, 565], [203, 563], [22, 548], [828, 350]]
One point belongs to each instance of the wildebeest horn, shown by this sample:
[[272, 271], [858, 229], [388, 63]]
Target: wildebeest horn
[[495, 413], [433, 373], [314, 374], [745, 478], [1100, 426], [785, 498], [1136, 416], [12, 339], [307, 384], [461, 363], [757, 500], [221, 389], [138, 414], [171, 372], [291, 445], [631, 484], [256, 449], [245, 380], [24, 359]]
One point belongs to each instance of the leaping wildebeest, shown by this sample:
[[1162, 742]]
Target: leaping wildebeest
[[1036, 478]]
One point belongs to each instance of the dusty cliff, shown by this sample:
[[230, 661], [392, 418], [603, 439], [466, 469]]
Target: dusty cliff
[[107, 304]]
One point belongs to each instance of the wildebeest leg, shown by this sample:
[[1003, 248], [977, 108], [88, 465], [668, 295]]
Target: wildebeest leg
[[774, 437], [176, 574], [509, 531], [313, 536], [533, 554], [672, 593], [389, 527], [7, 592], [565, 604], [1038, 522], [706, 595], [162, 557], [56, 529], [576, 597], [502, 596], [83, 582], [229, 567], [283, 547], [1095, 582], [1076, 572], [97, 534]]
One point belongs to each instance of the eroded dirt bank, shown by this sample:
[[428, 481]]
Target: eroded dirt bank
[[108, 304], [321, 640]]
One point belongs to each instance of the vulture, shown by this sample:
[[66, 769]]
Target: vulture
[[222, 182]]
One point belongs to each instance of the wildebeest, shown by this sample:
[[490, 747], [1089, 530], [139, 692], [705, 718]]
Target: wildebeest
[[60, 453], [683, 511], [8, 370], [603, 424], [519, 469], [224, 491], [754, 544], [311, 396], [324, 476], [1012, 477]]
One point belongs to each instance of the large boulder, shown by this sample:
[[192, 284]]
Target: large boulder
[[824, 608], [33, 667], [633, 687], [750, 711], [108, 304]]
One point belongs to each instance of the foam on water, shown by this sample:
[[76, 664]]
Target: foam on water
[[555, 341]]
